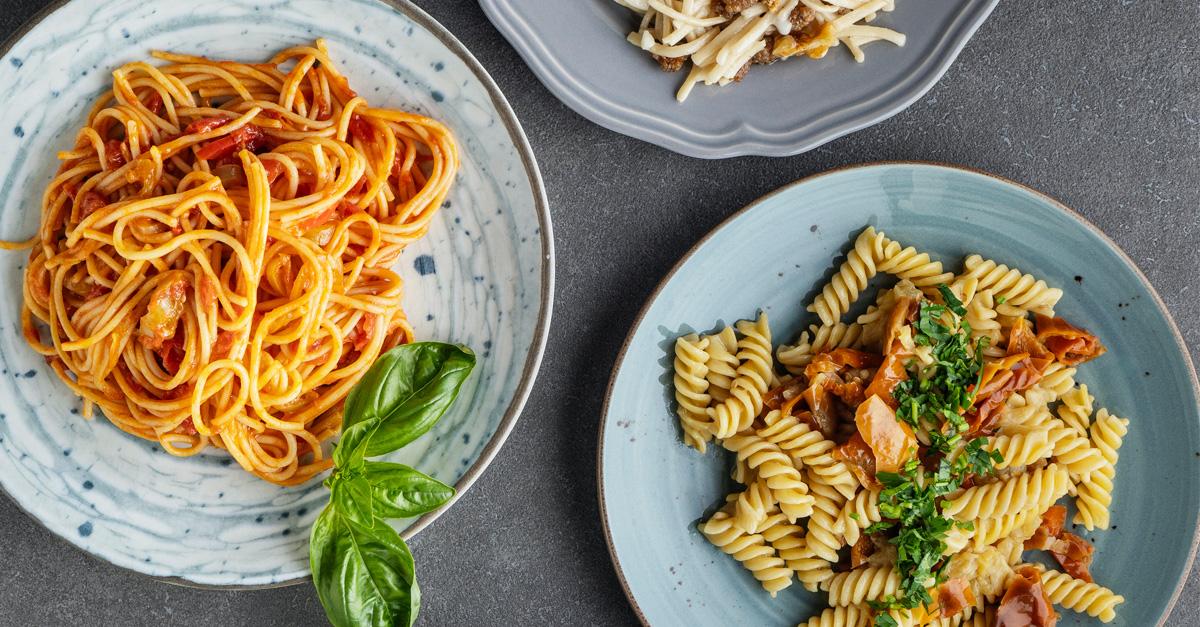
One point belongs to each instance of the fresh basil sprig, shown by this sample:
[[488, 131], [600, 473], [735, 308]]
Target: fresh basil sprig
[[363, 572]]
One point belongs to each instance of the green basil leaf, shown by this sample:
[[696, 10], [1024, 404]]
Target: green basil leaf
[[398, 491], [351, 495], [402, 396], [348, 453], [364, 574]]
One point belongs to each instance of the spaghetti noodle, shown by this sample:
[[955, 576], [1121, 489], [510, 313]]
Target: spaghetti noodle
[[212, 262], [724, 38]]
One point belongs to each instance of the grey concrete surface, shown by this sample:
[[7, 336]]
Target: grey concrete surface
[[1095, 103]]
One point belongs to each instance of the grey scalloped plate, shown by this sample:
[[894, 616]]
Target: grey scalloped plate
[[577, 48]]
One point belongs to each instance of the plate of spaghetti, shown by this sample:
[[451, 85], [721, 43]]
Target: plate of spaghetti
[[932, 413], [723, 78], [230, 218]]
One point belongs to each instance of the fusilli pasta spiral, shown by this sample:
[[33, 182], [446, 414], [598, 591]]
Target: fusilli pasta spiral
[[988, 531], [1021, 449], [1095, 493], [823, 541], [749, 549], [1017, 289], [818, 339], [851, 278], [874, 321], [1075, 452], [851, 616], [786, 537], [907, 263], [858, 586], [857, 514], [754, 375], [691, 390], [722, 363], [752, 506], [809, 449], [1076, 409], [775, 470], [1081, 596], [981, 315], [1038, 490], [812, 572]]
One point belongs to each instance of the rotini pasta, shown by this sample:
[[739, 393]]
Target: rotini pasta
[[907, 263], [977, 446], [818, 339], [1095, 493], [1017, 289], [775, 471], [851, 616], [851, 278], [874, 320], [1022, 448], [691, 390], [823, 540], [812, 572], [754, 376], [861, 585], [981, 315], [1081, 596], [1075, 452], [752, 506], [1076, 409], [857, 514], [749, 549], [808, 449], [989, 531], [722, 363], [1036, 490]]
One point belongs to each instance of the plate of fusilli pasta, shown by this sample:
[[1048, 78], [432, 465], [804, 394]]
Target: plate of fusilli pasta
[[903, 394]]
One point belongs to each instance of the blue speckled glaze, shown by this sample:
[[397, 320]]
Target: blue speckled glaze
[[482, 277], [775, 255]]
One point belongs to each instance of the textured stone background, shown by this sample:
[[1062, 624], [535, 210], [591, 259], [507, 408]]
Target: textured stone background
[[1094, 103]]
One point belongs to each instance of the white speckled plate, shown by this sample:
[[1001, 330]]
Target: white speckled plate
[[578, 50], [483, 276]]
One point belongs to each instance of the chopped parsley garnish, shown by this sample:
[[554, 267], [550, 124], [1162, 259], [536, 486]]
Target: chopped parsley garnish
[[883, 620], [1000, 300], [941, 398], [910, 500]]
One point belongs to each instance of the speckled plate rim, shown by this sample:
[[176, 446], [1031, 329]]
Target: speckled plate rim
[[610, 114], [637, 322], [546, 298]]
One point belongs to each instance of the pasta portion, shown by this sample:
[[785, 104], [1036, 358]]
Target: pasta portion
[[212, 266], [906, 462], [723, 39]]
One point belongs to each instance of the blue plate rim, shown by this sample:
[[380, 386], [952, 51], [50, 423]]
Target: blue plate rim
[[604, 112], [546, 297], [752, 205]]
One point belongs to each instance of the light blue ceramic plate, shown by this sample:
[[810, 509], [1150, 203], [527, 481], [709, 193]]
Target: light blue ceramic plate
[[483, 277], [578, 50], [773, 255]]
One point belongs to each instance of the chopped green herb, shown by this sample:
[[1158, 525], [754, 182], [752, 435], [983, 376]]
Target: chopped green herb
[[1000, 300], [952, 301], [941, 399], [912, 500], [883, 620]]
